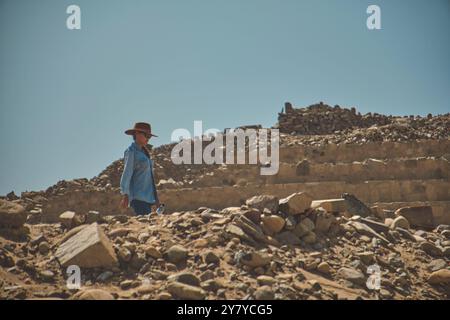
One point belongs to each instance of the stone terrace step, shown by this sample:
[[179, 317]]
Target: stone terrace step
[[371, 169], [107, 202], [353, 152]]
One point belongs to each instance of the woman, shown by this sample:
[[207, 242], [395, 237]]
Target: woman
[[137, 183]]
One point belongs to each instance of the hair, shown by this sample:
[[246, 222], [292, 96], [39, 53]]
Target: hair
[[134, 137]]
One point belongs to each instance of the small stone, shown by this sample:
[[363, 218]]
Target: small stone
[[143, 237], [290, 223], [296, 203], [185, 291], [104, 276], [304, 227], [273, 223], [124, 254], [119, 232], [446, 252], [128, 284], [431, 249], [265, 280], [153, 252], [210, 257], [47, 275], [264, 293], [323, 221], [255, 259], [176, 254], [388, 221], [253, 215], [93, 216], [163, 296], [437, 264], [352, 275], [310, 238], [288, 237], [440, 277], [400, 222], [88, 248], [186, 278], [367, 257], [44, 248], [418, 216], [93, 294], [324, 267], [211, 285]]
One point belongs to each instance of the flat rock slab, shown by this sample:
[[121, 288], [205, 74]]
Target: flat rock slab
[[331, 205], [296, 203], [89, 248]]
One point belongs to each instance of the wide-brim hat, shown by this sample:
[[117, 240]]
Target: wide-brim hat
[[141, 127]]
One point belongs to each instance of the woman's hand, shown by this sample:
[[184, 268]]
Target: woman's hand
[[124, 202]]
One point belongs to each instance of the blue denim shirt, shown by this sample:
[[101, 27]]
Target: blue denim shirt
[[137, 179]]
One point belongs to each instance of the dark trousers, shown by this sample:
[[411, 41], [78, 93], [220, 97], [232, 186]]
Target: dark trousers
[[141, 207]]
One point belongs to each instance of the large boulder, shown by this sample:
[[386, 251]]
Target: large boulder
[[12, 215], [418, 216], [296, 203], [89, 248], [264, 201]]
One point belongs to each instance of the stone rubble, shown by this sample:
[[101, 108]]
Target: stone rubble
[[294, 246]]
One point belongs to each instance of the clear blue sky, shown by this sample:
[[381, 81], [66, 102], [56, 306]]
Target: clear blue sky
[[67, 96]]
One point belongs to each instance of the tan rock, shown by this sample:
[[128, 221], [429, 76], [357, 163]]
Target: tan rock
[[88, 248], [324, 267], [324, 221], [388, 221], [296, 203], [263, 201], [273, 223], [331, 205], [440, 277], [93, 294], [418, 216], [256, 259], [400, 222], [153, 252], [71, 219], [185, 291]]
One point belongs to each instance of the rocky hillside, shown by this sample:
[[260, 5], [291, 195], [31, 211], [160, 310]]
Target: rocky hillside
[[354, 194], [291, 248]]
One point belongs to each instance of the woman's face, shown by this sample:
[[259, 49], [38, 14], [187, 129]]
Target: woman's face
[[142, 138]]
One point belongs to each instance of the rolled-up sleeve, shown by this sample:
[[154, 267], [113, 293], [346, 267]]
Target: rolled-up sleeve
[[127, 173]]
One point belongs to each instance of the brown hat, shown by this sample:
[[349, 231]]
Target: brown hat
[[141, 127]]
